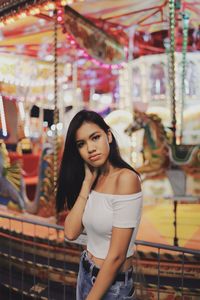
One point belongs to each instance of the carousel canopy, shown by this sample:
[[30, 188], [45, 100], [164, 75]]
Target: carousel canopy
[[129, 28], [146, 22]]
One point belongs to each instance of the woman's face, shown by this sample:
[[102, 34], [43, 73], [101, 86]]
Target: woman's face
[[93, 144]]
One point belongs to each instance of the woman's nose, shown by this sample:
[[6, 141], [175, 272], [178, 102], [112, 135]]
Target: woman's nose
[[90, 147]]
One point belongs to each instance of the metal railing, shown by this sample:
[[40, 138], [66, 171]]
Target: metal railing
[[36, 261], [165, 271]]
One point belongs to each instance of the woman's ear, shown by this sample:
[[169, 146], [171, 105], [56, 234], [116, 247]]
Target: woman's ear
[[109, 134]]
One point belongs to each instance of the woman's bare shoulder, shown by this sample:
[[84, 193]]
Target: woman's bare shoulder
[[128, 182]]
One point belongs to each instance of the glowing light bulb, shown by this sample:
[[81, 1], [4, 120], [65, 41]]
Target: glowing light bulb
[[10, 20], [64, 2], [22, 15]]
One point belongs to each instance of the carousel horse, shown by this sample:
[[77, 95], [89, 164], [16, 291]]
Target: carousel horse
[[160, 157], [12, 185], [155, 149], [10, 179]]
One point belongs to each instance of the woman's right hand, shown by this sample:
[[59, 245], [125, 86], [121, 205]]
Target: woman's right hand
[[90, 175]]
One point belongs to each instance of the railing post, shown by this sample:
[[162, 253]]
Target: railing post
[[34, 261], [22, 261], [10, 263], [158, 274], [182, 273]]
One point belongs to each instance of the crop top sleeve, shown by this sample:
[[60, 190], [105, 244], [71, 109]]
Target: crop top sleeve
[[127, 210]]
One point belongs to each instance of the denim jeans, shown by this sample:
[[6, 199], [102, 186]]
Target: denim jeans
[[120, 290]]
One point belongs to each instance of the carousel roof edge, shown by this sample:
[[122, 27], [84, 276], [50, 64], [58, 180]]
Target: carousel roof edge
[[13, 6]]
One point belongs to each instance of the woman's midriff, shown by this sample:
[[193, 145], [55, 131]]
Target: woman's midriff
[[99, 262]]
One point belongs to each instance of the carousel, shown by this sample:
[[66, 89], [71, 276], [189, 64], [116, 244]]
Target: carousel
[[137, 64]]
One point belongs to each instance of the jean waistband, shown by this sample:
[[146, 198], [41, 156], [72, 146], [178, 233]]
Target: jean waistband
[[94, 270]]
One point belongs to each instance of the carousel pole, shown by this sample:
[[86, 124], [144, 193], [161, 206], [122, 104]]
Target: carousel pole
[[184, 51], [75, 84], [172, 68], [173, 94], [128, 104], [56, 111]]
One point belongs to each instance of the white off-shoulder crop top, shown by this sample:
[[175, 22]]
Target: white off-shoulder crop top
[[102, 212]]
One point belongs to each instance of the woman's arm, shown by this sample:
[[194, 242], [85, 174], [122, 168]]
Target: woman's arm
[[73, 223], [128, 183], [114, 260]]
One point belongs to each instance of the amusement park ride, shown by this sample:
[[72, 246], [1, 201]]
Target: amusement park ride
[[162, 157], [13, 189], [163, 154]]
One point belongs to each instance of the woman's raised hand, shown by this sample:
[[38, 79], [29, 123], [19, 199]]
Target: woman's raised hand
[[90, 174]]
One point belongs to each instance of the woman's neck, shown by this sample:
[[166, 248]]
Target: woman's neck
[[107, 169]]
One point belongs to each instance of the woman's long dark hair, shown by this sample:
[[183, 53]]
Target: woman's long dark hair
[[72, 169]]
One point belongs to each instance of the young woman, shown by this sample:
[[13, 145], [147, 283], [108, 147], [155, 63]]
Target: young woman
[[103, 195]]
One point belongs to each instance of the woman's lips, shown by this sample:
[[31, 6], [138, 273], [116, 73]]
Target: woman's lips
[[95, 157]]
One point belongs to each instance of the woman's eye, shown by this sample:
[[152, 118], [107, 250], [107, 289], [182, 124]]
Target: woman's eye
[[80, 145], [96, 137]]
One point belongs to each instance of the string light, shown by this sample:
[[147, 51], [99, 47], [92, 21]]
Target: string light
[[10, 20], [34, 11], [65, 2], [13, 15], [22, 15], [50, 5]]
